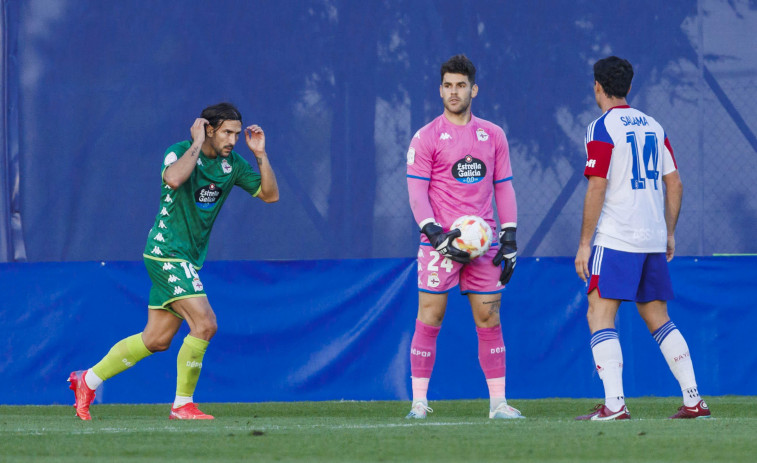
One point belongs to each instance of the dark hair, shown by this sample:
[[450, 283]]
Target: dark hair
[[459, 64], [614, 75], [220, 112]]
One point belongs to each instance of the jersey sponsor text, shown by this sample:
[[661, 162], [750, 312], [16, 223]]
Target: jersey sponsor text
[[207, 196], [469, 170]]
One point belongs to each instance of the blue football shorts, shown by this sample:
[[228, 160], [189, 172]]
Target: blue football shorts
[[630, 276]]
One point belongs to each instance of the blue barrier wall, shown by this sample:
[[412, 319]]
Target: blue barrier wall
[[329, 330], [94, 92]]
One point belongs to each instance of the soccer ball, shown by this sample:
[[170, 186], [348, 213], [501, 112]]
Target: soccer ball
[[475, 235]]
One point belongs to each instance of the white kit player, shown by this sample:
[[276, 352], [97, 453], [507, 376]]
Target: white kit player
[[455, 166], [629, 159]]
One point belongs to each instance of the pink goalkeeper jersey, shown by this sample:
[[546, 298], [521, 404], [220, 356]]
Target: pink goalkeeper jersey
[[631, 151], [461, 163]]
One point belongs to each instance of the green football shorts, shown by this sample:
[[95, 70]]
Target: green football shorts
[[172, 280]]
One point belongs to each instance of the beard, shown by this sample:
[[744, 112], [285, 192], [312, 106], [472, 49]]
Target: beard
[[464, 105], [222, 151]]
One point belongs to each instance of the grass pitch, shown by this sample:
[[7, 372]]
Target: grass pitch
[[457, 431]]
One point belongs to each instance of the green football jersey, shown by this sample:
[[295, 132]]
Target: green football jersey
[[186, 216]]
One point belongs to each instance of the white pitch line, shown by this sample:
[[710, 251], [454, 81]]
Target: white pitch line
[[183, 430], [388, 425]]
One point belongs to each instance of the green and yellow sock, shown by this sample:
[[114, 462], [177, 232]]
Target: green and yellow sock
[[189, 364], [124, 355]]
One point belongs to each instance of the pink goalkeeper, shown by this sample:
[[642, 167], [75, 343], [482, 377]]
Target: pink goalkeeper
[[456, 165]]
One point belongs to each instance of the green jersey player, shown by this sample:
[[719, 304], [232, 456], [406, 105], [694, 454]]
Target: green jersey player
[[197, 178]]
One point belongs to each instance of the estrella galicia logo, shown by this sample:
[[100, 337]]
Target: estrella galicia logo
[[469, 170], [207, 196]]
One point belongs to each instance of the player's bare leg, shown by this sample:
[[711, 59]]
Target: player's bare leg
[[608, 357], [654, 314], [601, 313], [161, 327], [676, 352], [431, 309], [491, 352], [202, 324]]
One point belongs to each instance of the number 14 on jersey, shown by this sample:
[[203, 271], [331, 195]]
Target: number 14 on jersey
[[648, 157]]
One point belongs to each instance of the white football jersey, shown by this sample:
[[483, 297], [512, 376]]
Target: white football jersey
[[631, 151]]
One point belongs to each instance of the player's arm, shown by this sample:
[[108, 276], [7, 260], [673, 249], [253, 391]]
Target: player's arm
[[177, 173], [269, 188], [593, 202], [673, 197], [599, 149], [419, 163], [507, 209]]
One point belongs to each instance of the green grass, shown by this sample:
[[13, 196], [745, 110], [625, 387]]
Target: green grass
[[377, 431]]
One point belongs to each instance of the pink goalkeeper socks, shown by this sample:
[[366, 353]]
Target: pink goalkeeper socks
[[491, 351], [423, 349]]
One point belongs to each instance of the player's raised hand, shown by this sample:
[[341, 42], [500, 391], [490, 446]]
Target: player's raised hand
[[508, 252], [442, 242], [255, 139], [582, 262], [198, 130]]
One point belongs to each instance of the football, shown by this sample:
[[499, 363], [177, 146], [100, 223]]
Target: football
[[475, 235]]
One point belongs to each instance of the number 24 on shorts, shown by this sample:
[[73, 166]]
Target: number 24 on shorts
[[446, 263]]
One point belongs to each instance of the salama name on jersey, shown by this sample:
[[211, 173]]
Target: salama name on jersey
[[628, 120]]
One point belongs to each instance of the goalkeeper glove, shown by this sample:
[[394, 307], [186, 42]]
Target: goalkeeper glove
[[442, 242], [507, 253]]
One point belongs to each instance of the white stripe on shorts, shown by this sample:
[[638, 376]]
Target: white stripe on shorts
[[596, 265]]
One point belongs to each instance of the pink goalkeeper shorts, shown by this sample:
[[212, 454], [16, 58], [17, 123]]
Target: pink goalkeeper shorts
[[437, 274]]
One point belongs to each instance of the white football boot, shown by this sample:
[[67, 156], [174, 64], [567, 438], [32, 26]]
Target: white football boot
[[419, 411], [505, 412]]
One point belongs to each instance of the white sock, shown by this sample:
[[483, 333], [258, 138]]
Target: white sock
[[615, 403], [691, 396], [676, 352], [608, 357], [496, 392], [420, 389], [181, 401], [92, 380]]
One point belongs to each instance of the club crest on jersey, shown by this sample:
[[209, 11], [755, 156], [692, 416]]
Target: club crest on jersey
[[226, 166], [469, 170], [481, 134], [207, 196]]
